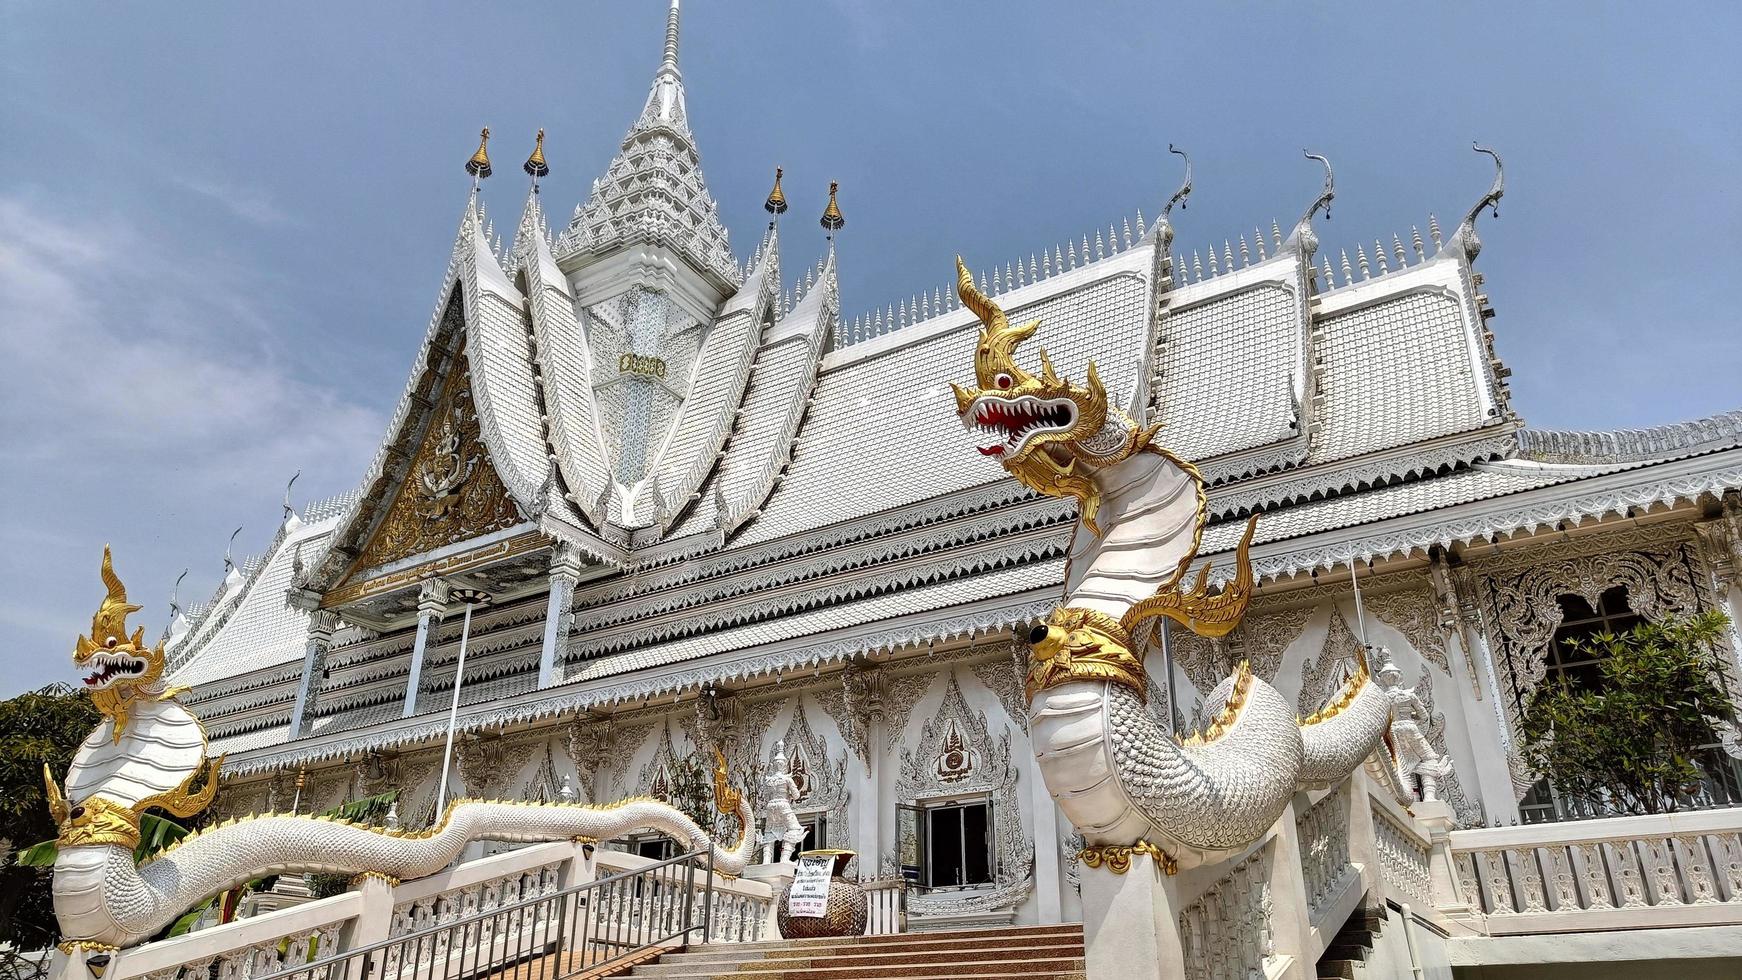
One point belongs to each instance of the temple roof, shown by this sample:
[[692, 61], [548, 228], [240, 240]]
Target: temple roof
[[812, 496]]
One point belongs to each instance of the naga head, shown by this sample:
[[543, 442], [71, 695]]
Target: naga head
[[118, 667], [1040, 427]]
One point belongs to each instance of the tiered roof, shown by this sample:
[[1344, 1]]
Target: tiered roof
[[816, 498]]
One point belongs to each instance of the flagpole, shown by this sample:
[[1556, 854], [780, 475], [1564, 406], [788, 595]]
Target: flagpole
[[1360, 613], [470, 597], [1167, 658]]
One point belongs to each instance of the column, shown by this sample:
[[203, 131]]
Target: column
[[1290, 913], [1047, 875], [565, 571], [432, 601], [1129, 927], [1490, 741], [321, 624], [1721, 545]]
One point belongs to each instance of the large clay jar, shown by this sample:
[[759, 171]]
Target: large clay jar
[[844, 915]]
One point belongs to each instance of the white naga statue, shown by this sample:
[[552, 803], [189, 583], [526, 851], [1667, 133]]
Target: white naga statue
[[1415, 756], [149, 752], [780, 823], [1127, 784]]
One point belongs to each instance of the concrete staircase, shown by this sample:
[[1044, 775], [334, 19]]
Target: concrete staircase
[[1346, 956], [1031, 953]]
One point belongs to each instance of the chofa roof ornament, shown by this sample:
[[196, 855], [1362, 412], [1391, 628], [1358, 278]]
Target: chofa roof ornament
[[1465, 236], [1303, 229], [1163, 231]]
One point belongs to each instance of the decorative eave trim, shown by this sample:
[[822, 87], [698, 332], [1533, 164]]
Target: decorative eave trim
[[1375, 469], [1722, 431], [1527, 511], [993, 615]]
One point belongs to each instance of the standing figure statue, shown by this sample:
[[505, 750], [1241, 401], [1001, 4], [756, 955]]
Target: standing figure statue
[[1415, 756], [780, 823]]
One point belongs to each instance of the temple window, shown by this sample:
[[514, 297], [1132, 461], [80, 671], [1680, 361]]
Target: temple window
[[948, 843]]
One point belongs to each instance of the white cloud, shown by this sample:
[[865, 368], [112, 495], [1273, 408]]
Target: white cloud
[[247, 203], [150, 399]]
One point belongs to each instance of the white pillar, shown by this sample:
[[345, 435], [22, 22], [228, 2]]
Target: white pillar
[[1129, 928], [565, 571], [1490, 741], [1291, 916], [321, 624], [868, 801], [432, 601], [1046, 843]]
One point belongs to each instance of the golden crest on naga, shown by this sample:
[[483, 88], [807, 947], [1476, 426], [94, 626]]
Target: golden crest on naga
[[119, 669], [1039, 427]]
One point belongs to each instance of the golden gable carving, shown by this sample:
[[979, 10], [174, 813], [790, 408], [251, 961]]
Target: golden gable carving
[[452, 492]]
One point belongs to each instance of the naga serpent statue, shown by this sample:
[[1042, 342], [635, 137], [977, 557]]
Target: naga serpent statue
[[1128, 785], [150, 751]]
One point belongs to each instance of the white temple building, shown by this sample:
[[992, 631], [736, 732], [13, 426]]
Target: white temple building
[[705, 508]]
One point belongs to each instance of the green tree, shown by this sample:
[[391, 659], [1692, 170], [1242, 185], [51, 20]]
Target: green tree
[[1631, 742], [38, 728]]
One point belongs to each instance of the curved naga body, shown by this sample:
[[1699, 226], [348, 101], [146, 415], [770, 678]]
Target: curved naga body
[[1124, 782], [150, 752]]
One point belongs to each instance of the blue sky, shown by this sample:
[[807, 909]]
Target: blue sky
[[223, 224]]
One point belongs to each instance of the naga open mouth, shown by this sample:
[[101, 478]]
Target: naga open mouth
[[106, 668], [1012, 422]]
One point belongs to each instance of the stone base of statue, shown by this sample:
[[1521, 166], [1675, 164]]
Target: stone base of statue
[[778, 876], [845, 914], [1128, 923]]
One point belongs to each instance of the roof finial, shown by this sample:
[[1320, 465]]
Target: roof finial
[[1185, 187], [479, 165], [174, 595], [776, 203], [832, 220], [1325, 196], [1303, 229], [1466, 233], [229, 565], [290, 511], [669, 62], [535, 166]]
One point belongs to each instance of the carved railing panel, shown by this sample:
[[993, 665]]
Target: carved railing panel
[[1662, 870]]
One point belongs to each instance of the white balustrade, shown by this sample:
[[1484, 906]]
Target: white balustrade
[[1323, 831], [1227, 932], [1403, 858], [1665, 870], [270, 943], [886, 906], [247, 947]]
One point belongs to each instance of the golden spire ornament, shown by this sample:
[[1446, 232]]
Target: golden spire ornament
[[534, 165], [479, 165], [776, 203], [832, 219]]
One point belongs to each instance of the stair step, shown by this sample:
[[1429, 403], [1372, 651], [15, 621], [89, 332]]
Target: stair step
[[691, 962], [1328, 969], [918, 949], [1027, 969], [1000, 933]]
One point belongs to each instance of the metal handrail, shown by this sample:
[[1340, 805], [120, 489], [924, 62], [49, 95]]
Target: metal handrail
[[574, 912]]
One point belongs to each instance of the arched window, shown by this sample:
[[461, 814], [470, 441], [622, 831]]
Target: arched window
[[1565, 661], [1579, 622]]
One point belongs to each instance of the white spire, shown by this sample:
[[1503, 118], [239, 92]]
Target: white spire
[[654, 190]]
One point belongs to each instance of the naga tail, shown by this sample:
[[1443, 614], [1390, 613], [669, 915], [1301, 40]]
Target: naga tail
[[1206, 613]]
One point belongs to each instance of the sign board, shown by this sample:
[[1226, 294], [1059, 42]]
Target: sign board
[[810, 887]]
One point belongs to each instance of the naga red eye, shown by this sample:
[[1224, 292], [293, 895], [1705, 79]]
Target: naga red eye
[[1003, 381], [111, 642]]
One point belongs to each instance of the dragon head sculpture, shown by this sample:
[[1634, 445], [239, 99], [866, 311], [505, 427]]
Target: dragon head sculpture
[[1043, 428], [119, 669]]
